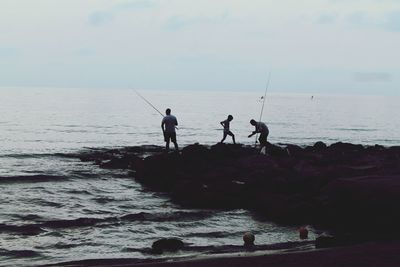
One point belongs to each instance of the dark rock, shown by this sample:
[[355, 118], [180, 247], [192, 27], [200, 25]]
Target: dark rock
[[343, 187], [120, 163], [167, 245], [195, 151], [277, 151], [293, 150], [346, 239], [320, 145], [331, 241], [346, 147], [27, 230], [362, 204]]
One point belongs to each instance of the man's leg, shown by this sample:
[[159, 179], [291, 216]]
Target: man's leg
[[223, 138], [232, 135], [173, 139], [263, 140], [167, 140]]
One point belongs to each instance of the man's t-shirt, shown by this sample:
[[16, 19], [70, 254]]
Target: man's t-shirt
[[170, 122], [262, 128]]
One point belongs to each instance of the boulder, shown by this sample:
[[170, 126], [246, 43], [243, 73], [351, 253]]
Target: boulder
[[167, 245]]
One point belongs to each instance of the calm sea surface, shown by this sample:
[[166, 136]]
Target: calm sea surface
[[55, 208]]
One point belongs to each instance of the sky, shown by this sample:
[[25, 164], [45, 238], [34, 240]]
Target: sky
[[319, 46]]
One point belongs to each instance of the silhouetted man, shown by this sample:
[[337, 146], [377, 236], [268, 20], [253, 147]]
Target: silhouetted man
[[168, 124], [262, 129], [227, 131]]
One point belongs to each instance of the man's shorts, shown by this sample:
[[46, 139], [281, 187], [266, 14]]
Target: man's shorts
[[228, 132], [170, 136], [263, 139]]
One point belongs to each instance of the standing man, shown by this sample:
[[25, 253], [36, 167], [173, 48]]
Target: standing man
[[168, 125], [227, 131], [262, 129]]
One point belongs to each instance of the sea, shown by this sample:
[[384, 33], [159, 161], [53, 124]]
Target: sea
[[55, 208]]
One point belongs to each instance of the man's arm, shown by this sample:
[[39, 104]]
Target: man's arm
[[162, 125], [223, 123], [253, 133]]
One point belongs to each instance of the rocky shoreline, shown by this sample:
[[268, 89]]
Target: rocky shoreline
[[365, 255], [351, 190]]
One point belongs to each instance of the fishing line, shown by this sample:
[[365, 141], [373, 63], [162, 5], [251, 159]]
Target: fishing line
[[151, 105], [148, 102]]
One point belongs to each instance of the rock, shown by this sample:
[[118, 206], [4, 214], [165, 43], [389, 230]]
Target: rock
[[195, 151], [248, 239], [320, 145], [327, 242], [293, 150], [167, 245], [120, 163], [336, 241], [362, 204], [277, 151], [343, 187], [303, 232], [346, 147]]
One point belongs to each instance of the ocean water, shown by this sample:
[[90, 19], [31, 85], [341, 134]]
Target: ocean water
[[55, 208]]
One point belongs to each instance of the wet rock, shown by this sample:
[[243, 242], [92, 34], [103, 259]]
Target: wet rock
[[293, 150], [328, 242], [195, 151], [320, 145], [346, 147], [276, 151], [167, 245], [344, 187], [28, 230], [120, 163], [303, 233], [362, 204], [248, 239], [337, 241]]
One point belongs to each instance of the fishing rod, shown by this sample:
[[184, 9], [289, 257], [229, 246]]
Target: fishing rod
[[148, 102], [262, 108], [151, 105]]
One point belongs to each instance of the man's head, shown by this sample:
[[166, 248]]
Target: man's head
[[253, 122], [230, 117], [168, 111]]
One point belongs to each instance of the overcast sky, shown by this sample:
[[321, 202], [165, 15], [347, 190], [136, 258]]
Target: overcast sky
[[321, 46]]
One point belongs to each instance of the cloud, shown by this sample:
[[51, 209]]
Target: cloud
[[389, 21], [326, 19], [392, 21], [99, 18], [136, 4], [8, 52], [360, 19], [176, 23], [84, 52], [368, 77]]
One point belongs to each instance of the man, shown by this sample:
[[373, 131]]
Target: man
[[227, 131], [168, 125], [262, 129]]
